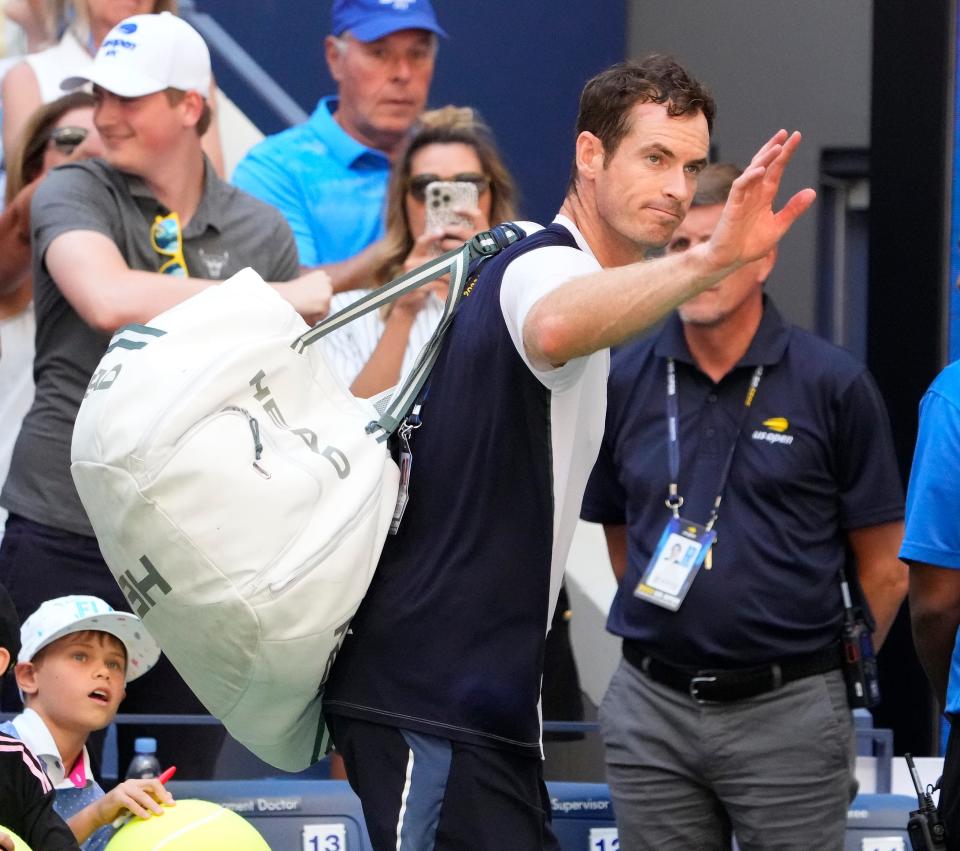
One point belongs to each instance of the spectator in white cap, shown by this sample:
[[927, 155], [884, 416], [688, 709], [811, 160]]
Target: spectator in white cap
[[329, 175], [36, 79], [76, 656], [117, 241]]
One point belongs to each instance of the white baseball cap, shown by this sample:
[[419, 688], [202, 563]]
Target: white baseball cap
[[144, 54], [78, 613]]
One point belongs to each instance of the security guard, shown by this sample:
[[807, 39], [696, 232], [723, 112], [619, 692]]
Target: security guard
[[742, 457]]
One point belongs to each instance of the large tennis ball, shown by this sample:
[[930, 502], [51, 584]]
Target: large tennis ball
[[18, 843], [189, 826]]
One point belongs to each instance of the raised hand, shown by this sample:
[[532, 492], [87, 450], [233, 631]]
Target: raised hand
[[749, 227]]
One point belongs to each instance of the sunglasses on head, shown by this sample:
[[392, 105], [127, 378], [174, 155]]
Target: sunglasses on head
[[417, 185], [66, 139]]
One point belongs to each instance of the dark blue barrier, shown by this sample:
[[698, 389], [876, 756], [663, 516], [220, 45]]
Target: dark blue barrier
[[296, 814]]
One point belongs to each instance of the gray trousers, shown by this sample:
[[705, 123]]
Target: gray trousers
[[776, 770]]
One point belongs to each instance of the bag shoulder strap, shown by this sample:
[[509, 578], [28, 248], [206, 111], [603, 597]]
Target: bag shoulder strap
[[457, 264]]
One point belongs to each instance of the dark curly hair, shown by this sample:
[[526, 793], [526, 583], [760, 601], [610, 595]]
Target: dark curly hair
[[606, 99]]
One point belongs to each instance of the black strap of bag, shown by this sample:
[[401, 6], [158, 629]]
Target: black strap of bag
[[458, 263]]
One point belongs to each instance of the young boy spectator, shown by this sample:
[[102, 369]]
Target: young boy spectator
[[26, 794], [76, 656]]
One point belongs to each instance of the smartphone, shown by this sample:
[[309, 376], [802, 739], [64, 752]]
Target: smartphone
[[443, 197]]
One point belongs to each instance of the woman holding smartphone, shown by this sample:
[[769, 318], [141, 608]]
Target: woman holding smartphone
[[449, 145]]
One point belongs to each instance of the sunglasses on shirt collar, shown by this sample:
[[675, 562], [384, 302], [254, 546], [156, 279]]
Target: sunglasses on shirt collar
[[166, 237], [417, 185], [66, 139]]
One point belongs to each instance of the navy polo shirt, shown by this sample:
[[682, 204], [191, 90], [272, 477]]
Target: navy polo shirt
[[814, 459]]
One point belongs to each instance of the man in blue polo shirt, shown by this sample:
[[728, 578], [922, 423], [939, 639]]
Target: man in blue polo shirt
[[931, 546], [729, 709], [329, 175]]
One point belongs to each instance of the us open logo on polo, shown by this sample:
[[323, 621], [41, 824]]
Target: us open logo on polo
[[775, 433]]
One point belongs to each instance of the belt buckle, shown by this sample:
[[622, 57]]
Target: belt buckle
[[697, 681]]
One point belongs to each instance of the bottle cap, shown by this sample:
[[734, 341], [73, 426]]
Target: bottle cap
[[145, 745]]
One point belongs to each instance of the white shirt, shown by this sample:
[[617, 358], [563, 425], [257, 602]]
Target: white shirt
[[34, 734], [349, 348], [578, 389], [67, 58]]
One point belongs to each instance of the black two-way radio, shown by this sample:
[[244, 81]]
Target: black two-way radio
[[859, 660], [925, 828]]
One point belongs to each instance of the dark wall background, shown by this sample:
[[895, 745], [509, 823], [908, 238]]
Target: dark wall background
[[522, 71], [906, 317]]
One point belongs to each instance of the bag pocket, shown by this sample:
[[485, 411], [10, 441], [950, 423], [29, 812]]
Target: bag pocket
[[262, 502]]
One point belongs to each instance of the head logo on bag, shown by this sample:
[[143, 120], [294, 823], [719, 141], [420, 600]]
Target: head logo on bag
[[335, 456], [103, 379], [137, 591]]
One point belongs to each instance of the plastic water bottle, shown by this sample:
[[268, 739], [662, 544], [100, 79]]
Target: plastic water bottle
[[144, 763]]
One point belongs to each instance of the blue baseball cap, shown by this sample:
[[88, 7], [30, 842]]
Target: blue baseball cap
[[368, 20]]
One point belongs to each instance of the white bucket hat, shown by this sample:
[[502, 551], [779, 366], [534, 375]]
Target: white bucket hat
[[78, 613], [144, 54]]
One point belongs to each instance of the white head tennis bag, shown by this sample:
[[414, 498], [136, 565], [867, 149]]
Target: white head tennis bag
[[241, 495]]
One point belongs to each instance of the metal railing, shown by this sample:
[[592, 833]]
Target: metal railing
[[226, 48]]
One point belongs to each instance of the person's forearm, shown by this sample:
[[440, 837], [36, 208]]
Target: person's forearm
[[355, 272], [132, 296], [84, 823], [885, 592], [607, 307], [934, 634], [382, 370], [883, 577]]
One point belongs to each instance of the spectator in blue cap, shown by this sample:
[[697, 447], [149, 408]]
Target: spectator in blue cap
[[328, 176]]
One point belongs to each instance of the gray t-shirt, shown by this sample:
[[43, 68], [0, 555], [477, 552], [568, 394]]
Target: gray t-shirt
[[229, 231]]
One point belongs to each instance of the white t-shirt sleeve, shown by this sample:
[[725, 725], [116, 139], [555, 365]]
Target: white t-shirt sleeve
[[528, 279]]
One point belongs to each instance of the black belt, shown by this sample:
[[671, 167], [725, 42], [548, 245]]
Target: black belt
[[723, 686]]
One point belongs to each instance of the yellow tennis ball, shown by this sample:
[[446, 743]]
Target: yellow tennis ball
[[189, 826], [18, 843]]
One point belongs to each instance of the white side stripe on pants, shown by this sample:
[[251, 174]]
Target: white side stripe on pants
[[403, 800]]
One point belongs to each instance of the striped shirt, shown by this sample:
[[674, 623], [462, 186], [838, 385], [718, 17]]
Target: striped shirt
[[26, 799], [349, 348]]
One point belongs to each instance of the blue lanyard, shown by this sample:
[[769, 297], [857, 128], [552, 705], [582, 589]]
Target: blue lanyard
[[674, 501]]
